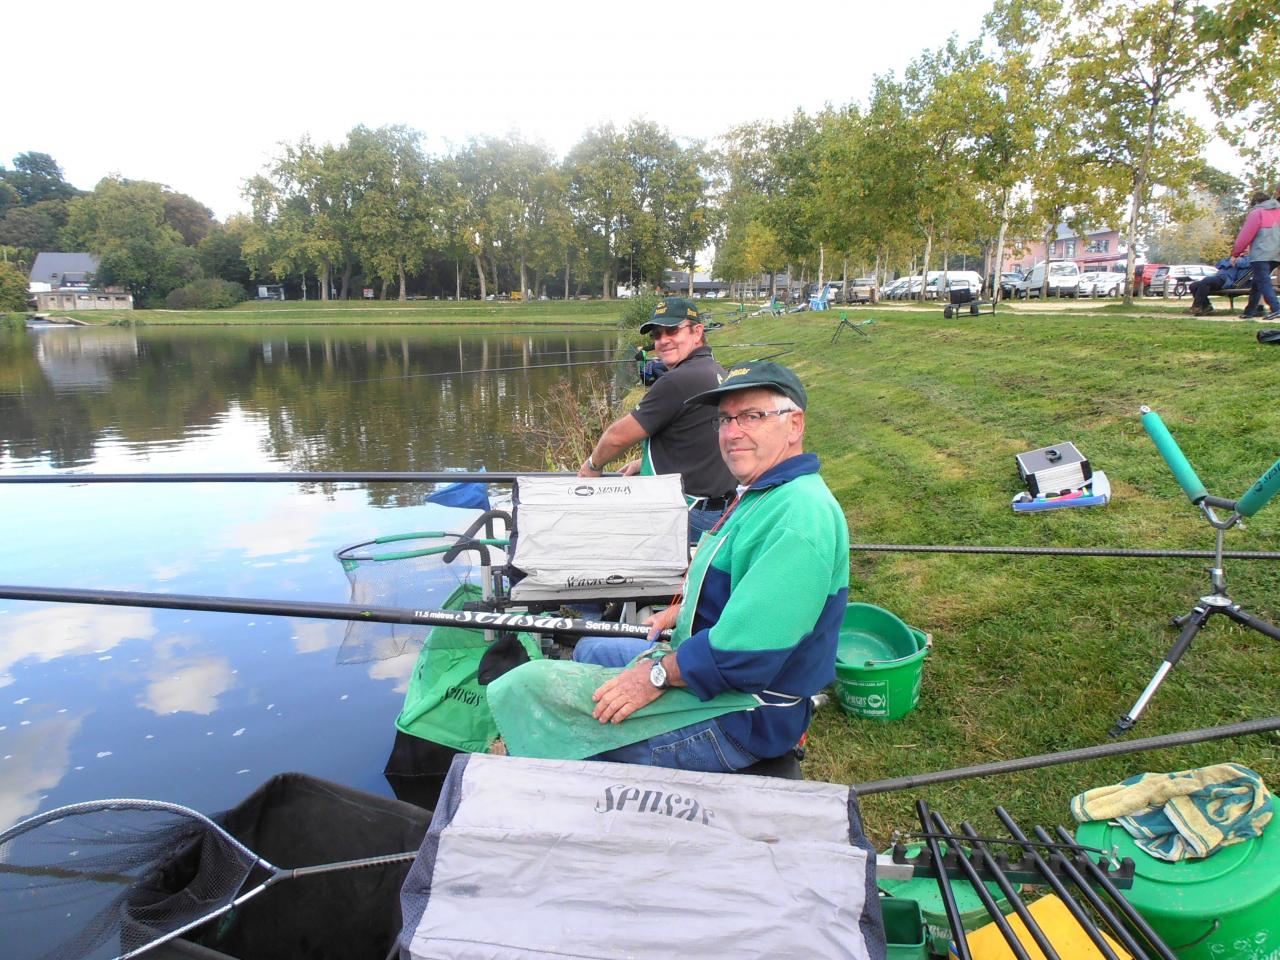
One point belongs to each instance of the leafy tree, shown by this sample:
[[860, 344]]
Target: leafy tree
[[188, 216], [122, 223], [1244, 78], [302, 215], [221, 253], [13, 288], [36, 177], [391, 219], [205, 294], [35, 227], [1135, 60], [601, 199]]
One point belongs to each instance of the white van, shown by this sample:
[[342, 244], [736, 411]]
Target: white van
[[1064, 280]]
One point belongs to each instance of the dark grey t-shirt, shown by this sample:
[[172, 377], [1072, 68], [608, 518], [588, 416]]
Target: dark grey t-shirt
[[682, 439]]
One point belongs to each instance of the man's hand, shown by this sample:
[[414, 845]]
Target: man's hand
[[664, 619], [624, 694], [586, 470], [632, 468]]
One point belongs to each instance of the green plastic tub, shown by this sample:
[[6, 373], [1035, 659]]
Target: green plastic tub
[[924, 890], [1223, 907], [879, 663], [903, 929]]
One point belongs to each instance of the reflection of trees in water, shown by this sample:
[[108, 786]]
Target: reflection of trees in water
[[331, 399]]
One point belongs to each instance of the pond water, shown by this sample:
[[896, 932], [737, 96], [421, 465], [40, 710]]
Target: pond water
[[199, 708]]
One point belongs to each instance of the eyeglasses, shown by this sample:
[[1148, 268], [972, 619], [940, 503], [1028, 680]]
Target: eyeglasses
[[748, 420], [661, 332]]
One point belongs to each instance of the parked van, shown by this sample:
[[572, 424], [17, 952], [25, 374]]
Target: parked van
[[1064, 280]]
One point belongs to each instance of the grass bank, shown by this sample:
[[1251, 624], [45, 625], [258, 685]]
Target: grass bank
[[918, 425], [294, 313]]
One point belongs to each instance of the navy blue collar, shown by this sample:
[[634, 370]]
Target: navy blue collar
[[787, 470]]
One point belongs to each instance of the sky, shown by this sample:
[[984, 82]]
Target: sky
[[199, 97]]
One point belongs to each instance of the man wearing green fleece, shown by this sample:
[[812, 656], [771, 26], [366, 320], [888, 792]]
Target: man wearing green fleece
[[762, 606]]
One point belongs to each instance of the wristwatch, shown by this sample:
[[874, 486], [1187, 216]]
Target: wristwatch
[[658, 676]]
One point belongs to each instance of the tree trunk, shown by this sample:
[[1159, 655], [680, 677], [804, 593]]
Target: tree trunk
[[493, 263], [304, 286], [692, 263], [1000, 235], [404, 294], [347, 269], [566, 273], [325, 270], [524, 278], [924, 269], [480, 275], [457, 279], [1048, 240], [1135, 201], [822, 265]]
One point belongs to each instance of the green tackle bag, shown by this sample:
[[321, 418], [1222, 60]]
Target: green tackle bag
[[445, 702]]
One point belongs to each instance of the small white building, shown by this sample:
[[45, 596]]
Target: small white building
[[65, 281]]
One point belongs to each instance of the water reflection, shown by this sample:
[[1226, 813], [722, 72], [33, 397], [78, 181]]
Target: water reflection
[[45, 634], [198, 708]]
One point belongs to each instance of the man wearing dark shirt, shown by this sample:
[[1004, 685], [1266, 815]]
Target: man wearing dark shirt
[[677, 438]]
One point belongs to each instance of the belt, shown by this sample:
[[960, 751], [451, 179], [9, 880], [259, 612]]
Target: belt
[[714, 503]]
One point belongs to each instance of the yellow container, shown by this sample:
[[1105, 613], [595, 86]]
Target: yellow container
[[1060, 929]]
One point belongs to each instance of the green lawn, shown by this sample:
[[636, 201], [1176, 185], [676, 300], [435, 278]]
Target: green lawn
[[918, 425], [374, 311]]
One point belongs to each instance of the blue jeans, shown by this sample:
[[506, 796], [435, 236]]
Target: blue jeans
[[699, 746], [701, 521], [1262, 287]]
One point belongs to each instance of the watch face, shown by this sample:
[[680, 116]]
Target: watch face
[[658, 675]]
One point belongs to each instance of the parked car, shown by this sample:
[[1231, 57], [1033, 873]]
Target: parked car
[[1177, 277], [1143, 273], [1008, 282], [893, 291], [861, 290], [1101, 283], [1064, 280]]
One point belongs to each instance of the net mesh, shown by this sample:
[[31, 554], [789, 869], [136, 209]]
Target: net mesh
[[103, 881], [407, 571]]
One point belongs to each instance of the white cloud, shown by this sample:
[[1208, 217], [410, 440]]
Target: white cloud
[[48, 633]]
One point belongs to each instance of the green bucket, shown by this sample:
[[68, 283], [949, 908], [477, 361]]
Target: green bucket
[[903, 929], [1223, 907], [924, 890], [879, 663]]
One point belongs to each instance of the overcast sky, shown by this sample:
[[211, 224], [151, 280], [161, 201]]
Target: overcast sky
[[199, 96]]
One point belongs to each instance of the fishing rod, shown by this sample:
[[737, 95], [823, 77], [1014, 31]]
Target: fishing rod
[[1062, 551], [1114, 749], [401, 476], [473, 619]]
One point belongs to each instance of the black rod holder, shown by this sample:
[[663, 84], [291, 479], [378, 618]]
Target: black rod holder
[[1131, 915], [944, 885], [1011, 894], [1059, 888], [992, 908]]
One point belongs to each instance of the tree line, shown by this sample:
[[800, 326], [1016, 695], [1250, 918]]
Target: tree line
[[1070, 111]]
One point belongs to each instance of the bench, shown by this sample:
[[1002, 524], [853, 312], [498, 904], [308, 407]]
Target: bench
[[1231, 293]]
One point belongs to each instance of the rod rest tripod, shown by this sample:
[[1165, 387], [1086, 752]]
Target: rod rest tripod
[[1218, 602]]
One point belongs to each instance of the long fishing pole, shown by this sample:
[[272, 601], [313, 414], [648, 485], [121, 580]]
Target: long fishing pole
[[395, 476], [1062, 551], [1243, 728], [475, 619]]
